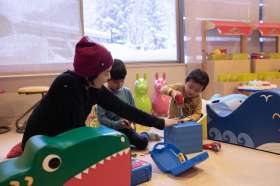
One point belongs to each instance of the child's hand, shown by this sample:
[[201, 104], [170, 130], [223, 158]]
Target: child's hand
[[183, 120], [178, 97], [170, 122]]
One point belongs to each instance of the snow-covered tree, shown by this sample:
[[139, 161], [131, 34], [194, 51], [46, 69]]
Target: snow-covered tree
[[141, 24], [156, 33], [112, 17]]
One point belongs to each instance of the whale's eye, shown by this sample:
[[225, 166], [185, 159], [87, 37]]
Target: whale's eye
[[51, 163]]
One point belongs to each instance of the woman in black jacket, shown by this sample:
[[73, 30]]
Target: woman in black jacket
[[73, 93]]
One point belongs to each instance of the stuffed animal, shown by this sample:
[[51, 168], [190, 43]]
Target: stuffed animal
[[141, 97], [160, 102]]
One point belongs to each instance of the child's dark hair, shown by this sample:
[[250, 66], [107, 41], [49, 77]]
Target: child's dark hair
[[199, 76], [118, 70]]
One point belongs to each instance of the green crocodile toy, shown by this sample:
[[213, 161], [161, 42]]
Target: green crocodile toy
[[81, 157]]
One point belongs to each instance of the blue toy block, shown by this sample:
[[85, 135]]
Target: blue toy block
[[253, 124], [141, 172], [187, 137]]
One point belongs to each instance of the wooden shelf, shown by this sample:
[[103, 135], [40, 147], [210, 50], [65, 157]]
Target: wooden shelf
[[216, 67], [270, 30], [265, 65]]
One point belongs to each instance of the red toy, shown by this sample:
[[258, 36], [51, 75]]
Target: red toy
[[214, 146], [160, 102], [179, 98], [15, 151]]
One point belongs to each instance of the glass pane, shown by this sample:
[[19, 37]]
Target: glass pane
[[38, 32], [133, 30]]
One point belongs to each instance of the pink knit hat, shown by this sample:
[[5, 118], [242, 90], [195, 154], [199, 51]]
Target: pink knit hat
[[91, 58]]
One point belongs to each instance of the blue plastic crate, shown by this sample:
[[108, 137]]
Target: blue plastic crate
[[167, 158], [141, 172], [187, 137]]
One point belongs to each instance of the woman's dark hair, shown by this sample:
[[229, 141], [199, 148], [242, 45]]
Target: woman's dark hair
[[118, 70], [91, 78], [199, 76]]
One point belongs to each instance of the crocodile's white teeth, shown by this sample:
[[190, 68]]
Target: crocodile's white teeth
[[86, 171], [101, 162], [126, 150], [108, 158], [120, 153], [78, 176]]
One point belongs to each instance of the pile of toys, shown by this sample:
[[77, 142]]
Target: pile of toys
[[169, 156], [257, 85], [222, 54]]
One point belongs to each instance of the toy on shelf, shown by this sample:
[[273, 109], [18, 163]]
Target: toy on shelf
[[221, 54], [160, 102], [187, 136], [142, 99], [250, 87], [218, 54], [256, 85], [170, 159], [214, 146], [254, 124], [141, 172], [259, 55], [82, 156]]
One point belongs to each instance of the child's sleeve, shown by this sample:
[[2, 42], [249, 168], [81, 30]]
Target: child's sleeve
[[130, 97], [197, 112], [167, 89], [104, 120]]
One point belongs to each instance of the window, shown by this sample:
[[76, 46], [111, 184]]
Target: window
[[133, 30], [38, 32]]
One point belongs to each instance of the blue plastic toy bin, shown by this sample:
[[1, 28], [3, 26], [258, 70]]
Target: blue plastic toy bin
[[166, 157]]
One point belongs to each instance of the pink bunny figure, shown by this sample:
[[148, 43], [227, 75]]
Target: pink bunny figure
[[160, 102]]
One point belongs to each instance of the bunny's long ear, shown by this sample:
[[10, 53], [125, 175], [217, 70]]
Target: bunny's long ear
[[164, 76], [145, 76], [137, 76], [156, 76]]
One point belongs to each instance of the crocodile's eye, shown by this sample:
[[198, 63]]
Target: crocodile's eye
[[51, 163]]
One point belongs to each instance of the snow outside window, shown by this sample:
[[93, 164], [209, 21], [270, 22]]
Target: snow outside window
[[133, 30]]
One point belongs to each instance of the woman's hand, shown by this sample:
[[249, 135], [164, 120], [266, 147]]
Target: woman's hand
[[170, 122], [126, 124], [174, 93]]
